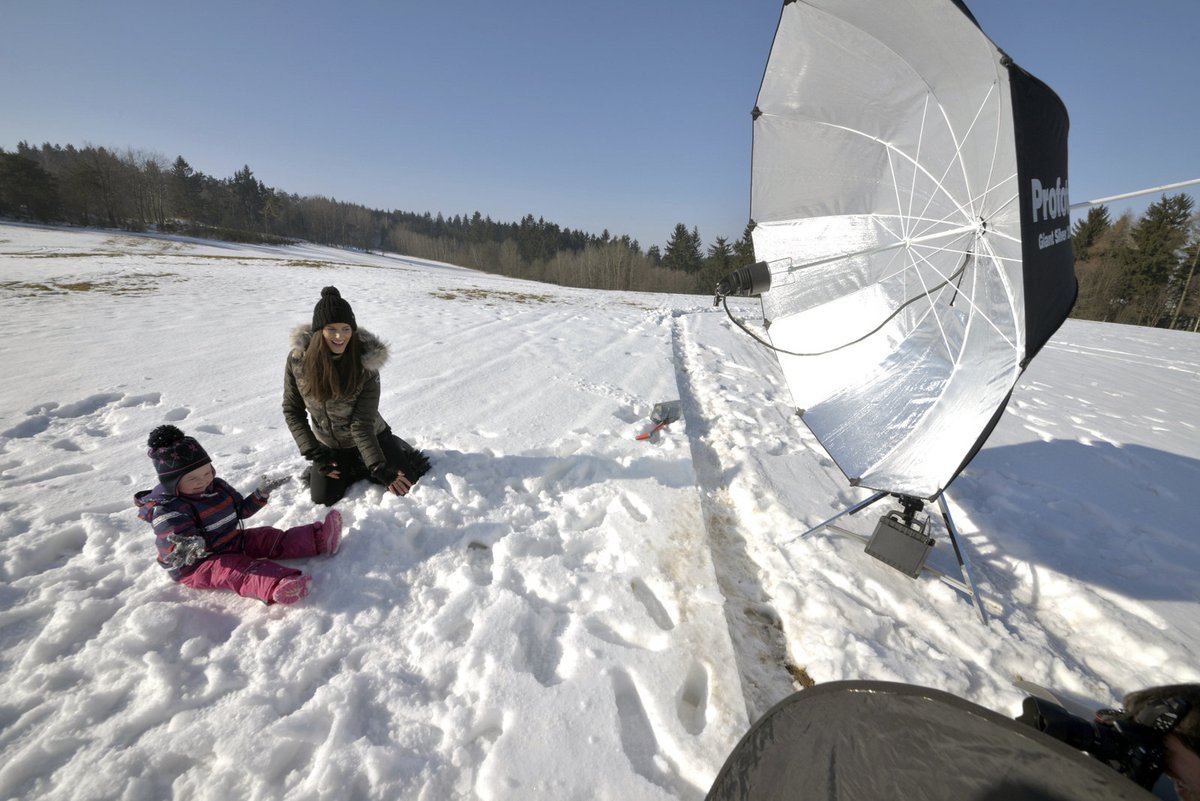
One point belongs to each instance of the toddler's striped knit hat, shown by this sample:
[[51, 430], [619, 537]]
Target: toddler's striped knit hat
[[174, 455]]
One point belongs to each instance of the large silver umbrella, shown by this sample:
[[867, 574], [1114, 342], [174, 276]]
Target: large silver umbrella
[[909, 201]]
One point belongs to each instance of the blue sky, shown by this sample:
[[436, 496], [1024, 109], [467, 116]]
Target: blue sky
[[624, 115]]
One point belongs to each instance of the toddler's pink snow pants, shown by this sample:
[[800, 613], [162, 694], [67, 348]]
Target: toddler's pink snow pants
[[251, 573]]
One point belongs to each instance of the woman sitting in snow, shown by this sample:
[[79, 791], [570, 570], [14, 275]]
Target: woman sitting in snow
[[332, 380], [197, 521]]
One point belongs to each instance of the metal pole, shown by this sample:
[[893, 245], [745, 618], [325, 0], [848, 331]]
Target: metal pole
[[963, 562], [1102, 200], [1186, 284], [857, 507]]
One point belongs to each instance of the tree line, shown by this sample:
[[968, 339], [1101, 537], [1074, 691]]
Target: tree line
[[1138, 271], [139, 191]]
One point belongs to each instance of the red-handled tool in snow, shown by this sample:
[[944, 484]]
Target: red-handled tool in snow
[[662, 415]]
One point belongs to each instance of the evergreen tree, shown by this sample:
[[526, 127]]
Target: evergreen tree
[[26, 190], [743, 249], [1088, 230], [248, 195], [477, 230], [1161, 233], [1101, 272], [683, 250], [717, 264], [1153, 262]]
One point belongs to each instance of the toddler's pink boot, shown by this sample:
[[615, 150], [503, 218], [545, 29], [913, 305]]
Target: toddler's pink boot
[[330, 535], [290, 589]]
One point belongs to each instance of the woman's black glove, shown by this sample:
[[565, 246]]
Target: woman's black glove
[[322, 458], [392, 478], [383, 474]]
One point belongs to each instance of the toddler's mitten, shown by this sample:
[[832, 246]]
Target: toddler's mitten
[[188, 550], [268, 484]]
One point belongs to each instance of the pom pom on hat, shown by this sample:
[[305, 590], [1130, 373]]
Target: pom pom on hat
[[174, 455], [165, 437], [332, 308]]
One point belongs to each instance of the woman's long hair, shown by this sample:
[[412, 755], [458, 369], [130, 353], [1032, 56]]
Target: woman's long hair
[[330, 378]]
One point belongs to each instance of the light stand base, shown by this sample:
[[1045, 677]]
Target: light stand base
[[909, 557]]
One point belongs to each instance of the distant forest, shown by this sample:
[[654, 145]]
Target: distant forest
[[1137, 271], [136, 191]]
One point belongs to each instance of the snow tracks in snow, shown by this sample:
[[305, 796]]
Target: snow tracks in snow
[[735, 411]]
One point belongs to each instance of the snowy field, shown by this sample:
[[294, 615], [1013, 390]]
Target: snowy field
[[557, 611]]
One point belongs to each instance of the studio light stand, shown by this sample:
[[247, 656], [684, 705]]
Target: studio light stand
[[900, 540]]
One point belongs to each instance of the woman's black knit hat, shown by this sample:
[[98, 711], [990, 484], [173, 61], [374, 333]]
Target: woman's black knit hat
[[174, 455], [332, 309]]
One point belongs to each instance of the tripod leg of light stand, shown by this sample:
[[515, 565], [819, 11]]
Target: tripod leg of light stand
[[966, 585], [963, 562], [855, 508]]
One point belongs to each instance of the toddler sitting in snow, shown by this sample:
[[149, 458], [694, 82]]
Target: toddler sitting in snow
[[197, 520]]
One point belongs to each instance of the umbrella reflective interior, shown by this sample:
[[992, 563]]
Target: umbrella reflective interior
[[909, 201]]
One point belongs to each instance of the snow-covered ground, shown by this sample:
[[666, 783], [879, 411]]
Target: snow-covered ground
[[557, 611]]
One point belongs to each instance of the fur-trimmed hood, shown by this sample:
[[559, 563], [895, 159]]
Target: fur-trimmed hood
[[338, 423], [374, 350]]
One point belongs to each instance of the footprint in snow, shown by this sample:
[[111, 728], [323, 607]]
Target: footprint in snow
[[602, 631], [27, 428], [59, 471], [658, 613], [149, 399], [637, 734], [87, 406], [480, 559], [692, 702], [489, 726], [539, 647], [638, 740], [635, 508]]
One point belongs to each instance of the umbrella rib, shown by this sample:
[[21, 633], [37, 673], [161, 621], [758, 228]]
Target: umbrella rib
[[912, 189], [892, 149], [957, 158], [966, 297], [920, 240]]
